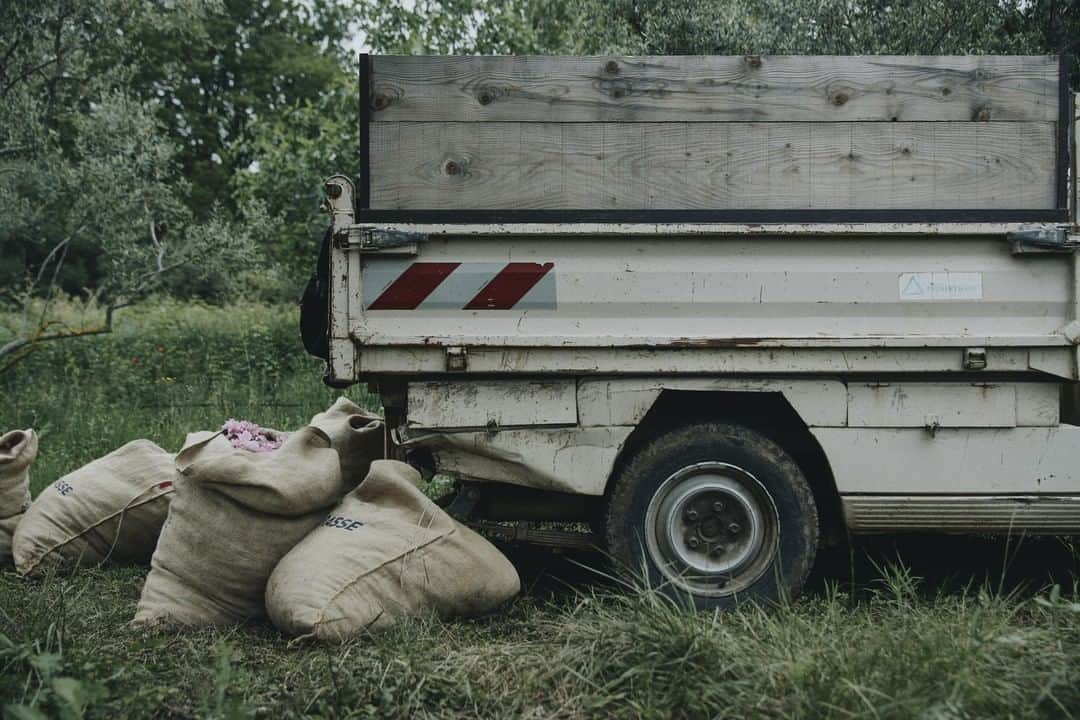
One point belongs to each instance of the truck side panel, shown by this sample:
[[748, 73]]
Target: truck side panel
[[881, 439], [718, 292]]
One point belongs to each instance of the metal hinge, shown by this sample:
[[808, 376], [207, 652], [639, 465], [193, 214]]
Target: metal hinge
[[367, 239], [1042, 240]]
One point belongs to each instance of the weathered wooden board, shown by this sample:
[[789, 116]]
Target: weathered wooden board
[[684, 165], [715, 88]]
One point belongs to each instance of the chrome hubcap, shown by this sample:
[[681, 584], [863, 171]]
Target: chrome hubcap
[[711, 528]]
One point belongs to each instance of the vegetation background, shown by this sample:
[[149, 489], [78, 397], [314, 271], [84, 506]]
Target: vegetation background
[[176, 147], [160, 177]]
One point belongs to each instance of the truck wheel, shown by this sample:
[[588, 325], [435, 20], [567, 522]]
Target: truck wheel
[[715, 512]]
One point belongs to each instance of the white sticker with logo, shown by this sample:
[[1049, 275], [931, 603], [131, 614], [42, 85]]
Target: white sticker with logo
[[941, 286]]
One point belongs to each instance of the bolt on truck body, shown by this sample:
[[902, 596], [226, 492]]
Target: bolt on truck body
[[719, 307]]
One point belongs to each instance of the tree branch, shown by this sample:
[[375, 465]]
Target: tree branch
[[20, 343], [52, 287], [15, 149], [18, 348]]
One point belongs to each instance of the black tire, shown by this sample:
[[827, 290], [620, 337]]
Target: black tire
[[732, 517]]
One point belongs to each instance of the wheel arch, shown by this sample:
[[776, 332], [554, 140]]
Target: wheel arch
[[766, 410]]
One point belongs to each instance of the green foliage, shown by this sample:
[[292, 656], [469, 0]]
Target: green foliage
[[824, 27], [91, 196], [239, 63], [296, 148], [225, 697], [466, 27], [32, 654], [78, 157], [123, 125]]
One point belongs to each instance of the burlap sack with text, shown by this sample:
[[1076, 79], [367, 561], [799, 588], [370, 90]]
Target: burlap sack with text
[[234, 515], [110, 509], [385, 553]]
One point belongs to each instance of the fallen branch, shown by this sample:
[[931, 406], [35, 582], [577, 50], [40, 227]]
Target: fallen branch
[[21, 347]]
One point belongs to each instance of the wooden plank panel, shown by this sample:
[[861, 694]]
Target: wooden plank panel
[[715, 88], [666, 157], [712, 165]]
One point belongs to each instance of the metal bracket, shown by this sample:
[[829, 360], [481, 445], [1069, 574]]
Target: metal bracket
[[975, 359], [1042, 240], [457, 359], [933, 424], [369, 239]]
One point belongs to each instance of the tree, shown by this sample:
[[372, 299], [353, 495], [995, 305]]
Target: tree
[[841, 27], [238, 64], [296, 148], [467, 27], [84, 165]]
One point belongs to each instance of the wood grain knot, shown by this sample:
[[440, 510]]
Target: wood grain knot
[[611, 67], [754, 61], [981, 115], [839, 99], [380, 102], [485, 98], [452, 167]]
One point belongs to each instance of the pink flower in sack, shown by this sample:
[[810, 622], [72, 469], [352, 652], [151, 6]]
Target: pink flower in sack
[[246, 435]]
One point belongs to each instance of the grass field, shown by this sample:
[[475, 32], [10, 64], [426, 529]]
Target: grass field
[[923, 628]]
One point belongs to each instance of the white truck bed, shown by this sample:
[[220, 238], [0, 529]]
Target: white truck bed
[[801, 298]]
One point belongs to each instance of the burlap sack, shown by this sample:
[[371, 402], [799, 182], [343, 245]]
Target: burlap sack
[[234, 515], [385, 553], [111, 509], [356, 435], [18, 449]]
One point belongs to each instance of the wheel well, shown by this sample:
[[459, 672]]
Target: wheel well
[[766, 412]]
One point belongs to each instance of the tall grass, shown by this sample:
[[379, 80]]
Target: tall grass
[[167, 370], [894, 654]]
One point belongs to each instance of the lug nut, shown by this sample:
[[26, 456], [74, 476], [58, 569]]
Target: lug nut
[[718, 550], [718, 506], [734, 528], [691, 514], [693, 543]]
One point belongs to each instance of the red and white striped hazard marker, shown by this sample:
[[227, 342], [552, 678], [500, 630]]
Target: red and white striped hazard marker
[[468, 286]]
